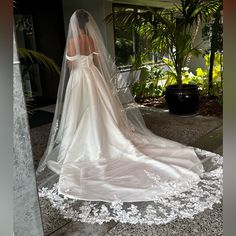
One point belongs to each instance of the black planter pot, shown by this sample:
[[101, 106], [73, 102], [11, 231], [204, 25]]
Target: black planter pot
[[182, 100]]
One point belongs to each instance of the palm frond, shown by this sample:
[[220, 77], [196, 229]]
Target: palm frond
[[33, 56]]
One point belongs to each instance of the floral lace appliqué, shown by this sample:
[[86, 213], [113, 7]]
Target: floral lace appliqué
[[199, 195]]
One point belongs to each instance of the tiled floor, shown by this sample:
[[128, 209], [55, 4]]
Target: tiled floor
[[198, 131]]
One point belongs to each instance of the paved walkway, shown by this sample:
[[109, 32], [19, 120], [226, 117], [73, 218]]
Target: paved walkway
[[199, 131], [204, 132]]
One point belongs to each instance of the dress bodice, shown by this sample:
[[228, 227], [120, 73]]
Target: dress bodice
[[82, 60]]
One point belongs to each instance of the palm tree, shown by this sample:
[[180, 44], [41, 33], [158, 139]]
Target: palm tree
[[214, 33], [174, 33], [170, 31]]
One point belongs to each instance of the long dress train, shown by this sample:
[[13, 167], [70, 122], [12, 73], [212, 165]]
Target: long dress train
[[103, 159], [102, 163]]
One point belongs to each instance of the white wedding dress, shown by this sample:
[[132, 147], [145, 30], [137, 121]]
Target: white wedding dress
[[108, 166], [101, 158]]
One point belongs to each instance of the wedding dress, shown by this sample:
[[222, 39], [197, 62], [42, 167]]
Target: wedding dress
[[101, 162]]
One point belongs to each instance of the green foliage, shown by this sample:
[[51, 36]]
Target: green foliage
[[201, 79], [32, 56], [154, 79], [218, 64], [151, 83], [213, 31], [124, 49], [168, 31], [127, 22], [175, 30]]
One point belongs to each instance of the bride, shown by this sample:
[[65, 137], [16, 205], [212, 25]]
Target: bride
[[100, 150]]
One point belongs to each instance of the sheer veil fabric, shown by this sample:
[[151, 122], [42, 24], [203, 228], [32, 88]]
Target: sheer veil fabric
[[101, 162]]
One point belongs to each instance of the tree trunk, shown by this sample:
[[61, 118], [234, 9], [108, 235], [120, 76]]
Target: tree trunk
[[136, 43], [214, 48], [179, 77], [210, 78], [221, 72], [178, 67]]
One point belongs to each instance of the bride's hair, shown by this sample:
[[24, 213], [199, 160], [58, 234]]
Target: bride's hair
[[82, 17]]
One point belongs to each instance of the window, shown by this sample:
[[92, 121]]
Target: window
[[130, 39]]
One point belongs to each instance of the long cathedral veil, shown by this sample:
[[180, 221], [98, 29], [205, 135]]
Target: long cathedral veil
[[83, 39], [106, 66]]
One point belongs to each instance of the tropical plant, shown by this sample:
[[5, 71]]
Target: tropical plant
[[215, 91], [127, 20], [176, 29], [213, 32], [151, 83], [123, 48], [154, 79], [200, 78], [170, 31], [30, 57]]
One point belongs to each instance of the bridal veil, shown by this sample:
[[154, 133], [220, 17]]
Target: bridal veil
[[109, 166]]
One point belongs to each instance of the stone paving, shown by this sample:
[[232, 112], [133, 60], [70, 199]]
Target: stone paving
[[198, 131]]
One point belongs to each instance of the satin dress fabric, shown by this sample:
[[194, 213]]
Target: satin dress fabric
[[102, 157]]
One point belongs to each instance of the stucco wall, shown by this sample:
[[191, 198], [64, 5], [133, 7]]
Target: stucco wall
[[199, 61]]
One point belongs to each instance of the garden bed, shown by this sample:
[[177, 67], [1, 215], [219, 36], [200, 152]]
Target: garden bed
[[206, 107]]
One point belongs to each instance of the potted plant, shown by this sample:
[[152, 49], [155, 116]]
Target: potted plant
[[173, 35], [171, 32]]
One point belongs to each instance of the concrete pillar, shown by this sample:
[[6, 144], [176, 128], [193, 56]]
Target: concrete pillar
[[27, 217]]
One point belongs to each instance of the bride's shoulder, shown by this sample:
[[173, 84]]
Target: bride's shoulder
[[71, 47]]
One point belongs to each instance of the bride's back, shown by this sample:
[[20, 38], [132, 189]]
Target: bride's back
[[86, 45], [82, 43]]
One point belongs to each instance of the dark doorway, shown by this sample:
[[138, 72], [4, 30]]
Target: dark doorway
[[43, 32]]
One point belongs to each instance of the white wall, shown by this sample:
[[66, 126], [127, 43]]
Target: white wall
[[99, 9], [199, 61]]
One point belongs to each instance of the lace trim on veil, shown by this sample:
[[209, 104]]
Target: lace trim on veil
[[195, 197], [178, 199]]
